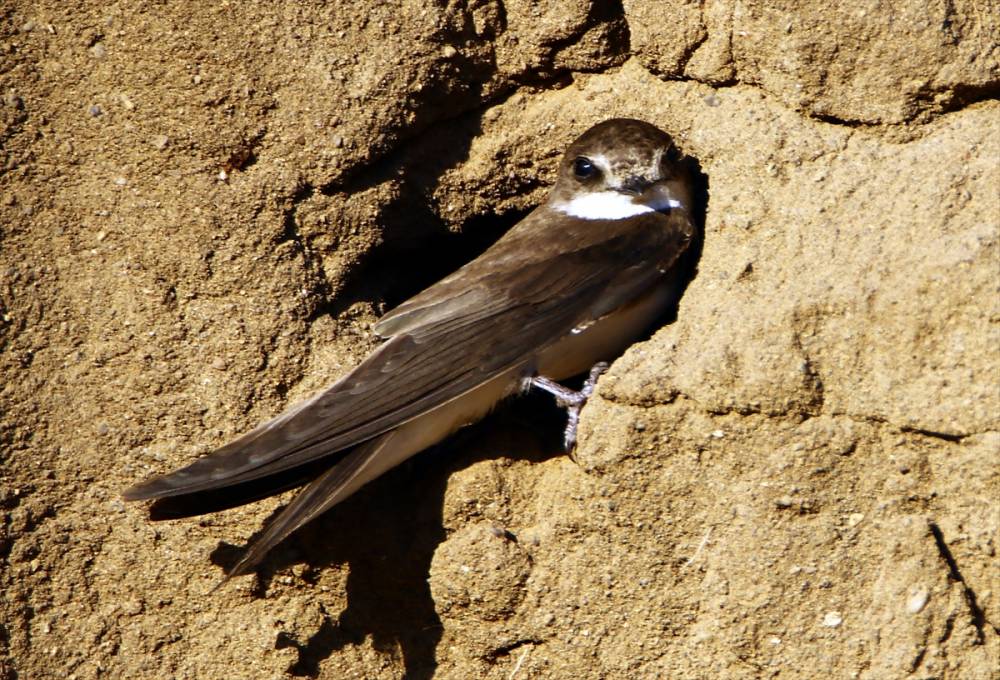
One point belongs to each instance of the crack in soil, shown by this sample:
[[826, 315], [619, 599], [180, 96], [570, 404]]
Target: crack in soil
[[975, 611]]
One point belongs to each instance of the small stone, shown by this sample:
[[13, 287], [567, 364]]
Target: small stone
[[161, 141], [449, 51], [718, 434], [784, 502], [95, 110], [121, 181], [854, 519], [132, 608], [833, 619], [711, 100], [98, 50], [196, 79], [918, 600], [219, 364], [12, 100]]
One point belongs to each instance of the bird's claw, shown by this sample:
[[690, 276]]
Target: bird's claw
[[571, 400]]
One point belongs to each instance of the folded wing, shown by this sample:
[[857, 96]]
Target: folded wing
[[493, 315]]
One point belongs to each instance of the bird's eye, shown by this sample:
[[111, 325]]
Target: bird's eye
[[670, 158], [583, 168]]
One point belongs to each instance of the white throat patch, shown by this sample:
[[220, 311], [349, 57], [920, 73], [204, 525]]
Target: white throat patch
[[608, 205]]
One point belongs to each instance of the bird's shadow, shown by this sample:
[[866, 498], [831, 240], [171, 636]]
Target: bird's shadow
[[387, 533]]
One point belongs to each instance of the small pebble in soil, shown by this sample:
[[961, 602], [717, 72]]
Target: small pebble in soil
[[918, 600]]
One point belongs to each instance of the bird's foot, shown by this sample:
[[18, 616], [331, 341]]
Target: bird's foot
[[571, 400]]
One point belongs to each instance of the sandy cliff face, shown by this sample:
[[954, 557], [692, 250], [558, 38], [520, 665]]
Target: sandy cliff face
[[798, 476]]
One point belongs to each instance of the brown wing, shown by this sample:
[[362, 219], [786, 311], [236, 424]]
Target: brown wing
[[546, 276]]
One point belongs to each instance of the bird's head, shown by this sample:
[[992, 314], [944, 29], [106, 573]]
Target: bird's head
[[621, 168]]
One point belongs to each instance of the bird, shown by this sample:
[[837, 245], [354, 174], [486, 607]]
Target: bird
[[564, 290]]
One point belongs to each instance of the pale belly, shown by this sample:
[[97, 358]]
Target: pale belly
[[606, 338]]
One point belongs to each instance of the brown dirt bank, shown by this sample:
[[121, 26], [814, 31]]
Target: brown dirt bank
[[797, 477]]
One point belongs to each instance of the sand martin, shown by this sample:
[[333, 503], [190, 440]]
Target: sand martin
[[573, 283]]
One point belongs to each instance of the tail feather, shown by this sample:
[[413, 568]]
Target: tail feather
[[330, 488]]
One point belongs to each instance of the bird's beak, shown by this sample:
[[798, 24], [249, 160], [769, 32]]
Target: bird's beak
[[664, 196]]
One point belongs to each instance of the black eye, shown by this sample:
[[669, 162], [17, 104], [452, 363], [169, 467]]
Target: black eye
[[584, 168], [670, 158]]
